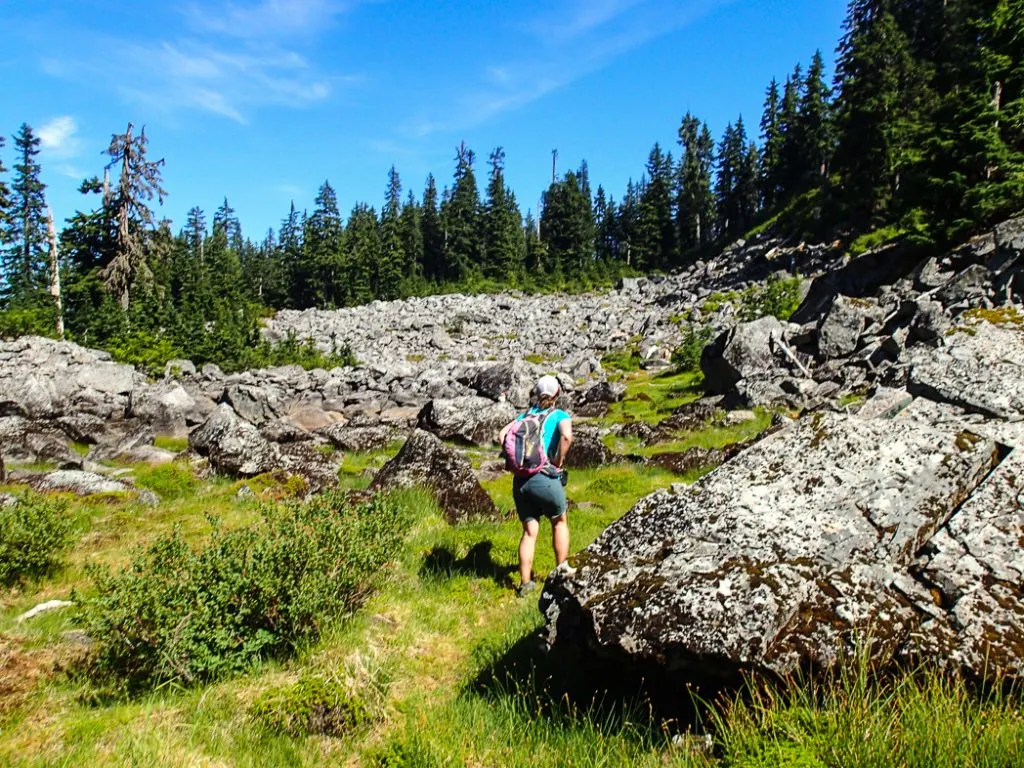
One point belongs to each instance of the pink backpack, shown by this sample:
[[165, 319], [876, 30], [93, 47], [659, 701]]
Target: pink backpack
[[524, 449]]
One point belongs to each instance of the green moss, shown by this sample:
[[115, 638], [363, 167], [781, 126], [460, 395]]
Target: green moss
[[1001, 316]]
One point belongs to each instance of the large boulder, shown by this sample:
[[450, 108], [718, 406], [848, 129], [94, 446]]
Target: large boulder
[[164, 406], [785, 556], [425, 461], [234, 446], [79, 483], [843, 325], [978, 369], [359, 439], [468, 419], [505, 381], [744, 352], [588, 450]]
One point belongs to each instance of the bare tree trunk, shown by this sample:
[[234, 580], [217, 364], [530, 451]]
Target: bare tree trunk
[[58, 302], [554, 160], [997, 100]]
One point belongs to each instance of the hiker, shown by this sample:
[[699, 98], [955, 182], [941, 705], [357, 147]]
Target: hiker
[[539, 483]]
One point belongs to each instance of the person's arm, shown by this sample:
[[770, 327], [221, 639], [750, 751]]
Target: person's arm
[[564, 442]]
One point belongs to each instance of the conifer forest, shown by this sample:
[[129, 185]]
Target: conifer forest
[[919, 133]]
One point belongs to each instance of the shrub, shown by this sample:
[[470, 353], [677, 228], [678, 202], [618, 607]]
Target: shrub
[[168, 481], [779, 297], [182, 615], [34, 535], [686, 357], [324, 705]]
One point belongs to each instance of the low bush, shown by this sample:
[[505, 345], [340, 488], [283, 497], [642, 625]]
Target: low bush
[[686, 356], [326, 705], [168, 481], [34, 535], [183, 616], [779, 297]]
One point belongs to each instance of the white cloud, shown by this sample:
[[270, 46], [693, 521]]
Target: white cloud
[[57, 137], [574, 39], [267, 19]]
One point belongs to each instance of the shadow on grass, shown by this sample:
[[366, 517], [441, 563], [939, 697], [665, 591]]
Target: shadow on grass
[[441, 562], [570, 684]]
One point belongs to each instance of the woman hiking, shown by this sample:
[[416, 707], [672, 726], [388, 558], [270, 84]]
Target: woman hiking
[[535, 445]]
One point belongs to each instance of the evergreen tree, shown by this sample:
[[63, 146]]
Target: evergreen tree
[[24, 266], [628, 223], [195, 232], [791, 151], [433, 233], [224, 219], [392, 265], [882, 96], [138, 183], [567, 227], [322, 253], [736, 188], [5, 202], [695, 202], [461, 218], [296, 273], [656, 245], [814, 128], [972, 167], [504, 242], [606, 223], [536, 250], [771, 143], [411, 233], [362, 253]]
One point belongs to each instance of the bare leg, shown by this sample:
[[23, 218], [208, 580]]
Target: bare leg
[[527, 546], [560, 539]]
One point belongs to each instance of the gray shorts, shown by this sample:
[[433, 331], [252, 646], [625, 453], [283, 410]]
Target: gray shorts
[[538, 496]]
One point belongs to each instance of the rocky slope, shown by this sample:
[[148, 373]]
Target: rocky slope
[[891, 507]]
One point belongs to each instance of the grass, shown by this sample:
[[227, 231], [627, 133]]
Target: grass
[[652, 397], [173, 444], [464, 681]]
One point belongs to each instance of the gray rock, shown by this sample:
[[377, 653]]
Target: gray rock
[[775, 561], [508, 381], [470, 419], [358, 439], [841, 329], [930, 321], [979, 369], [256, 405], [165, 406], [745, 352], [234, 446], [79, 483], [425, 461], [41, 608], [588, 450]]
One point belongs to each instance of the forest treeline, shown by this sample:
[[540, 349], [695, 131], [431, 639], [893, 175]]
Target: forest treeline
[[920, 131]]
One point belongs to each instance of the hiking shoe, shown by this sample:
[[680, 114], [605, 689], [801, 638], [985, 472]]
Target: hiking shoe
[[564, 569], [526, 588]]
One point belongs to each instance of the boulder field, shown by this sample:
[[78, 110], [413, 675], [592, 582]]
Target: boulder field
[[884, 508]]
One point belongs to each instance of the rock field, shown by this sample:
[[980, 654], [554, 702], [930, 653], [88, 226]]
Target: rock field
[[891, 508]]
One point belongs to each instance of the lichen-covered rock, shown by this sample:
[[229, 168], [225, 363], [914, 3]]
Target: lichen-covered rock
[[472, 420], [979, 369], [779, 558], [588, 450], [78, 482], [234, 446], [358, 439], [744, 352], [425, 461]]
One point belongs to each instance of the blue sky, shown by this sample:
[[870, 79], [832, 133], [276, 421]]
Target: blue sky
[[261, 100]]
